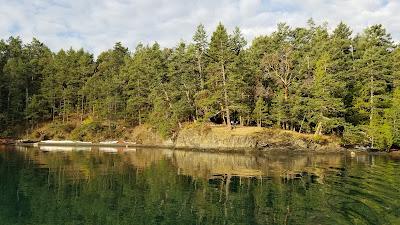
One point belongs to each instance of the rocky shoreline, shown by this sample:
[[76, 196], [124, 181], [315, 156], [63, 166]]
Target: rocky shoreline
[[207, 138], [7, 141]]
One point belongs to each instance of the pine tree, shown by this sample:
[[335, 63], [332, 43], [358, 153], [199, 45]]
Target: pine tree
[[221, 57], [396, 66], [200, 40], [260, 112], [39, 58], [325, 102], [395, 116], [279, 67], [304, 79], [16, 73], [374, 77], [103, 91]]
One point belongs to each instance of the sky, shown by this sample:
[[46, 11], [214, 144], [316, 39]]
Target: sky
[[96, 25]]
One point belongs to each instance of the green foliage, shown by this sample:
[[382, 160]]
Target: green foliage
[[87, 131], [260, 113], [380, 133], [305, 79], [354, 135], [59, 131], [392, 118]]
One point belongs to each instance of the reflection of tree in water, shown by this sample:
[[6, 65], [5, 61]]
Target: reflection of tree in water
[[179, 187]]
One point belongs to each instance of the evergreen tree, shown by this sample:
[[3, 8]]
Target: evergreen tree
[[260, 112], [221, 57], [305, 79], [104, 89], [279, 67], [39, 57], [200, 40], [396, 67], [325, 100], [374, 78]]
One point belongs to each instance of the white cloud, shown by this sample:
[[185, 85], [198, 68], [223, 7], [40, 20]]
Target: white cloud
[[97, 25]]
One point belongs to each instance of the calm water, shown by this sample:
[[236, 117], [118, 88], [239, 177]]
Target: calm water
[[150, 186]]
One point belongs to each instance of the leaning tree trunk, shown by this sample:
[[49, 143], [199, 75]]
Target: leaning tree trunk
[[318, 131], [286, 92]]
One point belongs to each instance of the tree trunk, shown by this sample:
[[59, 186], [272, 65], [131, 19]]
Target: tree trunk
[[78, 109], [200, 72], [301, 125], [66, 113], [52, 111], [140, 118], [83, 111], [187, 92], [223, 115], [371, 99], [226, 100], [109, 109], [63, 110], [26, 98], [372, 108], [286, 92], [319, 128], [8, 101], [171, 108]]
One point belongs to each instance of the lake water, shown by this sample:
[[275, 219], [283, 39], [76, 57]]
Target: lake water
[[160, 186]]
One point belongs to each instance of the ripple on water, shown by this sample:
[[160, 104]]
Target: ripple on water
[[368, 195], [175, 187]]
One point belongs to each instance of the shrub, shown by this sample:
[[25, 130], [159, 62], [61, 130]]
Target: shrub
[[354, 136], [87, 131]]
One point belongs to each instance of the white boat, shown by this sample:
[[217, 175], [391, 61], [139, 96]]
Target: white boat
[[108, 149], [57, 142], [84, 142], [56, 148], [64, 148], [67, 142], [108, 142]]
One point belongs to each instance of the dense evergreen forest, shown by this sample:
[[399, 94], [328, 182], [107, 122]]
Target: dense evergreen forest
[[306, 79]]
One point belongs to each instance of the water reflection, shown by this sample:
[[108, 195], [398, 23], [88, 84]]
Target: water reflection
[[163, 186]]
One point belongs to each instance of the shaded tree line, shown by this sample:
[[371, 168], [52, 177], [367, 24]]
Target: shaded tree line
[[305, 79]]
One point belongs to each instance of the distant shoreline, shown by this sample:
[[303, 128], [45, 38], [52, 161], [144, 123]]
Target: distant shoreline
[[127, 147]]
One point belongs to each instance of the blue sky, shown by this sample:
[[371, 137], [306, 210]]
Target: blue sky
[[97, 25]]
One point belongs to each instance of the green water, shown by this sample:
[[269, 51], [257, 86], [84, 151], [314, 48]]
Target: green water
[[149, 186]]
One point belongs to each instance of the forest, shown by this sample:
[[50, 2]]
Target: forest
[[308, 79]]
